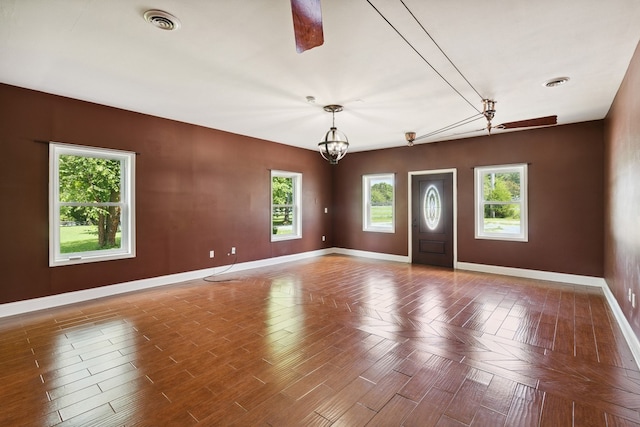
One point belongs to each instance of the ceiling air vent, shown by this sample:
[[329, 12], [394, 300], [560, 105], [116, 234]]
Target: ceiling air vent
[[558, 81], [162, 20]]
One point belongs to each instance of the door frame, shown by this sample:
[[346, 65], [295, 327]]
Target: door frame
[[411, 174]]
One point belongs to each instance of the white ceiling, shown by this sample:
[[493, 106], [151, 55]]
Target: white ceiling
[[233, 64]]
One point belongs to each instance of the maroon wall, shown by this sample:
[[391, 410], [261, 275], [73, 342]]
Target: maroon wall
[[200, 189], [622, 193], [197, 189], [565, 196]]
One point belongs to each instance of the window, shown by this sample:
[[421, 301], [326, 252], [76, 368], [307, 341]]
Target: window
[[501, 202], [378, 203], [286, 191], [91, 204]]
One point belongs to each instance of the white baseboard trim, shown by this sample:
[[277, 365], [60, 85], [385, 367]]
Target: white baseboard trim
[[20, 307], [534, 274], [373, 255], [627, 331]]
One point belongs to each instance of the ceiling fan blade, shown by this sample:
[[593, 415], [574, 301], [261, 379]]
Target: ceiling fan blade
[[539, 121], [307, 24]]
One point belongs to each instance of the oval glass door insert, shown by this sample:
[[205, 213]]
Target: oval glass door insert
[[432, 207]]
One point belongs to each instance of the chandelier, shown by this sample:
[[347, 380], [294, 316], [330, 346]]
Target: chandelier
[[335, 144]]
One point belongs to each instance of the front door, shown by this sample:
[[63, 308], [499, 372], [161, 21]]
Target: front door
[[432, 219]]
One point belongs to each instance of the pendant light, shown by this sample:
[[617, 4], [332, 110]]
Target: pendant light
[[335, 144]]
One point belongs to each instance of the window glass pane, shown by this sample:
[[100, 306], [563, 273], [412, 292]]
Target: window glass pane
[[502, 218], [84, 229], [381, 199], [502, 186], [283, 221], [89, 179], [381, 215], [285, 205], [282, 191], [378, 203]]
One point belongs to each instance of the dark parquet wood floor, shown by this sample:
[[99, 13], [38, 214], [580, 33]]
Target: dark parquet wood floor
[[334, 341]]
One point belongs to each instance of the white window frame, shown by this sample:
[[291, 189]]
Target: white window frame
[[523, 235], [367, 182], [296, 205], [126, 204]]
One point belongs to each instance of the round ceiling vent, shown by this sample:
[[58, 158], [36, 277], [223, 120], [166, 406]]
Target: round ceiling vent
[[162, 20]]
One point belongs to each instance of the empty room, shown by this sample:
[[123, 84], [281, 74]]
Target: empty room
[[320, 212]]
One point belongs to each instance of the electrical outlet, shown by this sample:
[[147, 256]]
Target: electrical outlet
[[211, 253], [323, 238], [233, 250]]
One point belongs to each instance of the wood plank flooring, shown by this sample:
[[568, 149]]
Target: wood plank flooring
[[331, 341]]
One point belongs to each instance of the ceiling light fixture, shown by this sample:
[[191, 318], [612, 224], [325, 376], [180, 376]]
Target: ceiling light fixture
[[489, 108], [162, 20], [489, 112], [335, 144], [558, 81], [410, 137]]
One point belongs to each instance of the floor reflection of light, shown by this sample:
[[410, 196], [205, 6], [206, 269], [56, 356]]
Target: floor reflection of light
[[285, 318], [511, 323], [381, 292], [432, 303], [377, 307], [88, 356]]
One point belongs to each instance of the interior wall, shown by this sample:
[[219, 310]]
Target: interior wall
[[200, 189], [197, 190], [565, 196], [622, 194]]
